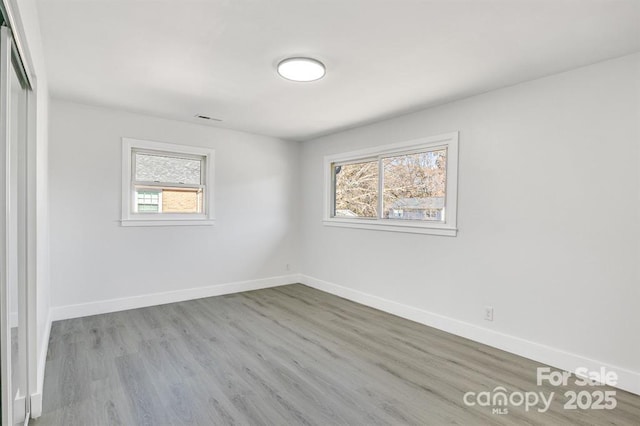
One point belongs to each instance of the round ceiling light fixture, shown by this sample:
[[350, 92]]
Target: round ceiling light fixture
[[301, 69]]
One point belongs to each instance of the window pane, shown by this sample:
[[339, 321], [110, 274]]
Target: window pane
[[181, 201], [169, 200], [163, 168], [148, 201], [356, 190], [415, 185]]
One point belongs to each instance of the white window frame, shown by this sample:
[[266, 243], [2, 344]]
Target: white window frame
[[448, 227], [129, 218]]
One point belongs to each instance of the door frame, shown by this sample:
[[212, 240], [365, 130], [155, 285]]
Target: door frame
[[17, 181]]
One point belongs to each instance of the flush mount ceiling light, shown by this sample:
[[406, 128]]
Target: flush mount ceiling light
[[301, 69]]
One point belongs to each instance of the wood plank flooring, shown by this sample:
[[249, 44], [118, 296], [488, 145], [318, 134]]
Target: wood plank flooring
[[289, 355]]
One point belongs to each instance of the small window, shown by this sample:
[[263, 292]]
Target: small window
[[407, 187], [166, 184], [148, 201]]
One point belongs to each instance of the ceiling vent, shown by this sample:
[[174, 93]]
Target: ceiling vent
[[206, 117]]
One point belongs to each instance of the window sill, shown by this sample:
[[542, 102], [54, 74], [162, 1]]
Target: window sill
[[167, 222], [412, 228]]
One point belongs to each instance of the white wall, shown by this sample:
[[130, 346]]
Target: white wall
[[26, 14], [94, 259], [548, 214]]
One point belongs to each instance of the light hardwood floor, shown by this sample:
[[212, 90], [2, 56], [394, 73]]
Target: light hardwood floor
[[289, 355]]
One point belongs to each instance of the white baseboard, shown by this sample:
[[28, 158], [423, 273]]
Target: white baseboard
[[36, 397], [142, 301], [628, 380]]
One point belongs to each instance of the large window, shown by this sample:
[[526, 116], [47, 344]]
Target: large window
[[407, 187], [166, 184]]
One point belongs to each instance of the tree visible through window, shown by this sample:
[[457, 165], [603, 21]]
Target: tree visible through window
[[356, 189], [413, 187], [406, 187]]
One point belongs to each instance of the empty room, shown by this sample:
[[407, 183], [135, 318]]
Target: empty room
[[320, 212]]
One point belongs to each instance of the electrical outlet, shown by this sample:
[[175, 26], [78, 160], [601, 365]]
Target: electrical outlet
[[488, 313]]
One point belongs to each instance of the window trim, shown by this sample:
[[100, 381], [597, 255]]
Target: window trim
[[128, 218], [446, 228]]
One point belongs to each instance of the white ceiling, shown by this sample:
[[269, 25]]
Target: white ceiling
[[384, 57]]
